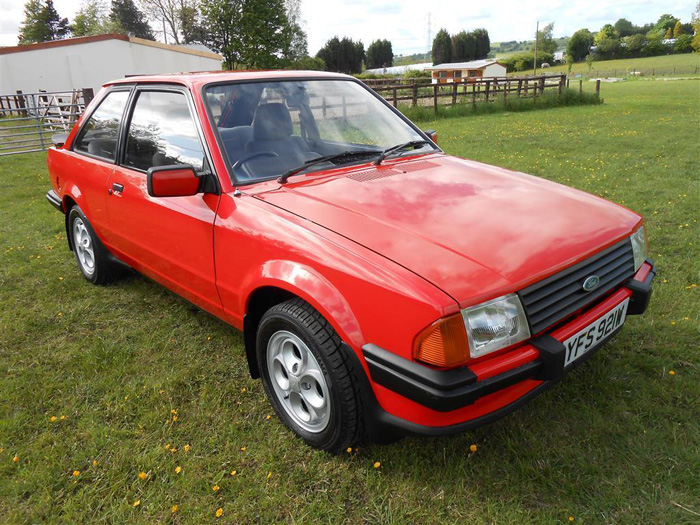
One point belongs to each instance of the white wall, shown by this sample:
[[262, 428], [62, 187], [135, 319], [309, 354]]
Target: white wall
[[495, 70], [91, 64]]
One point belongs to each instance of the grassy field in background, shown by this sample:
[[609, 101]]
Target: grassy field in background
[[618, 441], [685, 64]]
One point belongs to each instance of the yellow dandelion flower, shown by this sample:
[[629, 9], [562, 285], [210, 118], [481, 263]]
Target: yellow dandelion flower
[[243, 449], [137, 503], [209, 338], [143, 475], [173, 411], [672, 372], [571, 518], [76, 473], [244, 390], [219, 512], [348, 450], [174, 509], [673, 323], [215, 488], [233, 472], [167, 447], [178, 469], [94, 463], [268, 417], [62, 418], [173, 450], [15, 459], [472, 448], [53, 419], [187, 448], [377, 464], [174, 418], [269, 475]]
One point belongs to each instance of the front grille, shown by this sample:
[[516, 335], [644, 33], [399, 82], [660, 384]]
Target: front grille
[[558, 296]]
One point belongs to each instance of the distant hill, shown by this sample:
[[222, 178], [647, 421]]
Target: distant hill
[[503, 49]]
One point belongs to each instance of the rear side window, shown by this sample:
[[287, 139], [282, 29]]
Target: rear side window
[[162, 132], [99, 134]]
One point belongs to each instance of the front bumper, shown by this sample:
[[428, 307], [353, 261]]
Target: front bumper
[[540, 362]]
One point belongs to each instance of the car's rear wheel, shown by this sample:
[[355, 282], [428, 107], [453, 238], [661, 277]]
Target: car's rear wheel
[[307, 378], [93, 259]]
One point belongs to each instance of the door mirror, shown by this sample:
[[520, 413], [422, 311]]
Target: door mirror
[[179, 180], [432, 134]]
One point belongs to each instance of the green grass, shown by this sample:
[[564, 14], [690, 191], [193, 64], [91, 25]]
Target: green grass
[[666, 65], [618, 441]]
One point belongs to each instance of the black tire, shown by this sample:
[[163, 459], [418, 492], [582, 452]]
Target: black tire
[[345, 426], [103, 269]]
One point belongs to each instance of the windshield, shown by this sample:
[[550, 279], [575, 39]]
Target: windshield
[[270, 128]]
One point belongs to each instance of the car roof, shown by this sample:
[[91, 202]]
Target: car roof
[[197, 79]]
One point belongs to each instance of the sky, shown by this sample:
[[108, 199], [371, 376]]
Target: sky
[[405, 22]]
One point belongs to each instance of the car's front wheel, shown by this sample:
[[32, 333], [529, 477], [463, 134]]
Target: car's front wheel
[[307, 377], [93, 258]]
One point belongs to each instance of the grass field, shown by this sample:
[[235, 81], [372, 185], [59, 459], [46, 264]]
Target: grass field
[[666, 65], [92, 376]]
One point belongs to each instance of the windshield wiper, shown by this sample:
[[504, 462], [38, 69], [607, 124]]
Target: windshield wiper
[[328, 158], [398, 147]]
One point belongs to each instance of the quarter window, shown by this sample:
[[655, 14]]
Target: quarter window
[[99, 134], [162, 132]]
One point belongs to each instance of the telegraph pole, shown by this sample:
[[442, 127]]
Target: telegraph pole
[[537, 32]]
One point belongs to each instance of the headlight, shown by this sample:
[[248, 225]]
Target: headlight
[[495, 324], [640, 247]]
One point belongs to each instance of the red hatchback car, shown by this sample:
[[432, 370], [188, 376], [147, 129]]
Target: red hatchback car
[[383, 287]]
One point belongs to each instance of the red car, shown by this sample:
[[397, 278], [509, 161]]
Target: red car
[[383, 287]]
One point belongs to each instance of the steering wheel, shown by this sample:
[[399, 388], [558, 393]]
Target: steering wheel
[[241, 171]]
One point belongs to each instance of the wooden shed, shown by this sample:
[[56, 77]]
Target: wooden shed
[[463, 71]]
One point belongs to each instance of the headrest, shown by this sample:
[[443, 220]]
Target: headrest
[[272, 122]]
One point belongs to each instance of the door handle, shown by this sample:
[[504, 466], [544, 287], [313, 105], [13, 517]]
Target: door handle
[[117, 188]]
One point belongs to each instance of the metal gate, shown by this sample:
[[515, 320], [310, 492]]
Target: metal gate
[[28, 120]]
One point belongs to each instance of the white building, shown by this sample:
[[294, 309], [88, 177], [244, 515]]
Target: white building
[[89, 62], [459, 71]]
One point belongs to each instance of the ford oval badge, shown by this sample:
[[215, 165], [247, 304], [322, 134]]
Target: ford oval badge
[[591, 283]]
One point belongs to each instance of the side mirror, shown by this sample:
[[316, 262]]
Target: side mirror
[[179, 180], [432, 134]]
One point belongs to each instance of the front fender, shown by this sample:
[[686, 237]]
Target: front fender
[[306, 283]]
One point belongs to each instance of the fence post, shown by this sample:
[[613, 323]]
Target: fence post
[[580, 87], [520, 86], [542, 86], [454, 93], [435, 97], [561, 85], [597, 88], [88, 95], [488, 89], [20, 103], [567, 82], [394, 96], [414, 87]]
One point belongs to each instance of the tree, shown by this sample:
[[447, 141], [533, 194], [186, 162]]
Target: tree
[[607, 47], [579, 44], [635, 44], [442, 48], [342, 56], [665, 23], [683, 44], [42, 23], [191, 26], [483, 43], [607, 31], [298, 46], [696, 28], [379, 54], [91, 19], [172, 13], [545, 39], [463, 47], [624, 28], [248, 33], [569, 63], [677, 29], [128, 19], [589, 61]]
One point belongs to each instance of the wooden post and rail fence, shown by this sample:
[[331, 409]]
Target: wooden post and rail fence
[[422, 92]]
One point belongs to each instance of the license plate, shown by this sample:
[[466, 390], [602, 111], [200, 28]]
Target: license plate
[[581, 342]]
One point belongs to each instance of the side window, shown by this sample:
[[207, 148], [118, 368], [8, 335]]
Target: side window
[[162, 132], [99, 134]]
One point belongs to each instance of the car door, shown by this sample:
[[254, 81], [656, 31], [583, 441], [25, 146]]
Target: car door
[[170, 239], [94, 153]]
